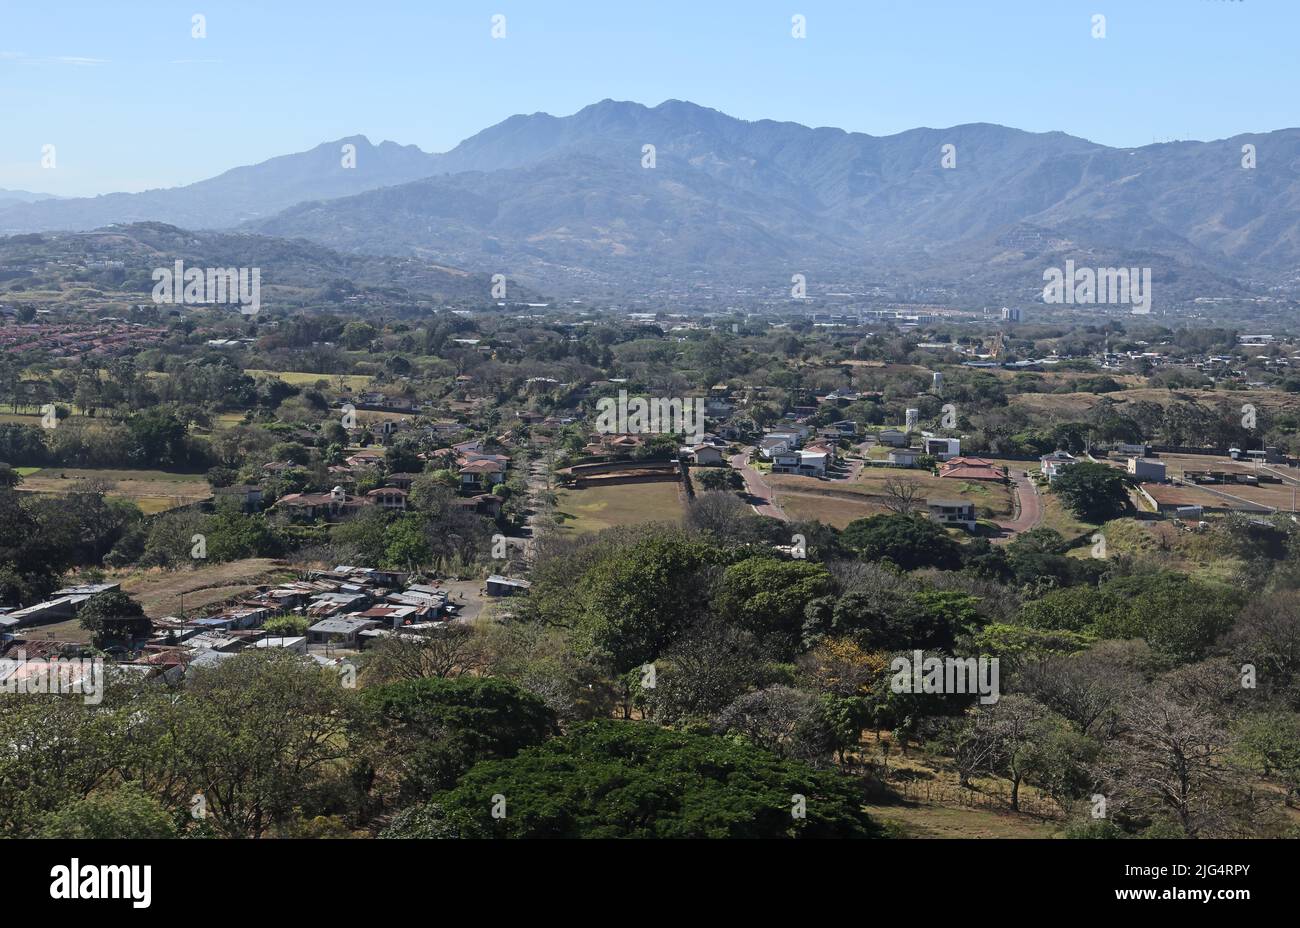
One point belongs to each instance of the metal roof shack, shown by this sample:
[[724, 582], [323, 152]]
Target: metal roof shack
[[498, 585]]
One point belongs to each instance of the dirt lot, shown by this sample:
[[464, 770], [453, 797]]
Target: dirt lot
[[159, 591]]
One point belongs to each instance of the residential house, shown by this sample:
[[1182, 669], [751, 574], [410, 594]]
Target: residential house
[[904, 457], [952, 512], [388, 498], [1052, 464], [943, 448], [963, 468], [247, 496], [805, 463], [401, 481], [481, 474], [702, 454], [896, 438], [342, 631]]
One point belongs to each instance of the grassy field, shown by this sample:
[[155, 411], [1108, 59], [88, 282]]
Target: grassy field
[[595, 508], [1056, 516], [838, 503], [932, 820], [928, 801], [159, 591], [152, 490], [836, 511], [298, 378]]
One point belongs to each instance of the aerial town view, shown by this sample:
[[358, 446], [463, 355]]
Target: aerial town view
[[438, 423]]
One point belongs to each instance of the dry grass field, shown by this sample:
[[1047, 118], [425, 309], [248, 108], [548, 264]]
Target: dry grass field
[[152, 490], [837, 503], [595, 508], [159, 591]]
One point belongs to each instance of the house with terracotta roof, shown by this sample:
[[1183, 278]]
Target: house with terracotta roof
[[964, 468], [388, 498], [482, 474]]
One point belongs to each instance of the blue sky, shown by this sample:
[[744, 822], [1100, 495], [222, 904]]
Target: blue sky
[[131, 101]]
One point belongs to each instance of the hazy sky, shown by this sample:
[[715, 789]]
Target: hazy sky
[[130, 100]]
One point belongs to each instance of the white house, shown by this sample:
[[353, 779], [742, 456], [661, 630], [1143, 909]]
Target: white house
[[806, 463], [904, 457], [1052, 464], [952, 512], [943, 448]]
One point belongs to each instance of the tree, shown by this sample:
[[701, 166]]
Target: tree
[[708, 666], [1170, 763], [768, 596], [403, 456], [426, 733], [256, 734], [124, 812], [633, 779], [909, 541], [1001, 739], [639, 597], [788, 722], [449, 650], [1270, 743], [901, 496], [1093, 492], [408, 544], [717, 478], [114, 616], [1176, 616]]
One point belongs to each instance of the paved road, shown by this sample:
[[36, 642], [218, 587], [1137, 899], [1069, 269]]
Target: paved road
[[760, 494], [1031, 508]]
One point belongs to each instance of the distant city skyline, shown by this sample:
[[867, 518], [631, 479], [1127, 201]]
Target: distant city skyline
[[131, 100]]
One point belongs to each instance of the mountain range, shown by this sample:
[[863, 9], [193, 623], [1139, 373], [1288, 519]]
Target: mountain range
[[572, 202]]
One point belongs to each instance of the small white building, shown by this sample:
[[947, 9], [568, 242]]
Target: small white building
[[1147, 470], [943, 448], [904, 457]]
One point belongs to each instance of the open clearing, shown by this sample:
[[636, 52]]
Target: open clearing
[[595, 508], [839, 502], [152, 490], [159, 591], [300, 378]]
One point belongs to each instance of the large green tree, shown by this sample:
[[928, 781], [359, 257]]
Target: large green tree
[[634, 779]]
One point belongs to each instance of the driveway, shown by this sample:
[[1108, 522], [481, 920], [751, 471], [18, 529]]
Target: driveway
[[759, 494], [1030, 505]]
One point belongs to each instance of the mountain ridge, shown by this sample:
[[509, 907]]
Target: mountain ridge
[[567, 201]]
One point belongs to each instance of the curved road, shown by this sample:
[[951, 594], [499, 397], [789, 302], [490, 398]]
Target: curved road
[[1031, 508]]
